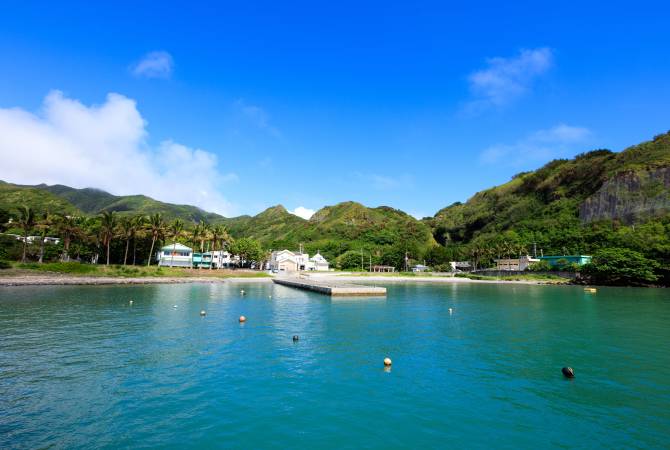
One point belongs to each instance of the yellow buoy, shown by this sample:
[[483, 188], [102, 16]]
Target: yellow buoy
[[590, 289], [243, 319], [387, 361]]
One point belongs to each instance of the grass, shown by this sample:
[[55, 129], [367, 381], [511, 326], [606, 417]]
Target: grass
[[75, 268], [520, 277]]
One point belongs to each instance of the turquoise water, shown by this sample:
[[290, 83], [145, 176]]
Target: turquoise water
[[81, 368]]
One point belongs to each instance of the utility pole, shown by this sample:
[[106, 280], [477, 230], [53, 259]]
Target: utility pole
[[534, 249], [361, 260]]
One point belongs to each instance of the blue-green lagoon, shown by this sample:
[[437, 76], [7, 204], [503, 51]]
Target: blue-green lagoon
[[82, 368]]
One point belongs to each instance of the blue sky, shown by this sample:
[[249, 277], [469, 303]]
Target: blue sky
[[237, 107]]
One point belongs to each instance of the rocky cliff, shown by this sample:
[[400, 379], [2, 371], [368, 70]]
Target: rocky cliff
[[629, 196]]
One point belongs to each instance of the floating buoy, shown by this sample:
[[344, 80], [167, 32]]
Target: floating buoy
[[269, 296], [242, 291], [590, 289], [296, 338], [451, 311], [243, 319], [130, 302], [174, 306], [568, 372], [203, 313], [387, 361]]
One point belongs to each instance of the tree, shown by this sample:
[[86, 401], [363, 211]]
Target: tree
[[44, 225], [620, 266], [127, 229], [108, 222], [349, 260], [68, 227], [249, 250], [204, 235], [175, 230], [26, 221], [138, 231], [155, 227]]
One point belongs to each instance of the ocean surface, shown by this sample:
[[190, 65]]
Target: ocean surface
[[82, 368]]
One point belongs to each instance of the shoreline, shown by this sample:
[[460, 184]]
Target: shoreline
[[64, 280], [83, 280]]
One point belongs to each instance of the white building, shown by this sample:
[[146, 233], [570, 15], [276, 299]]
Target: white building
[[175, 255], [222, 258], [517, 264], [288, 261]]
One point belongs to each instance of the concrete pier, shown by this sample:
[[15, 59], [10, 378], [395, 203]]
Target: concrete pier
[[332, 287]]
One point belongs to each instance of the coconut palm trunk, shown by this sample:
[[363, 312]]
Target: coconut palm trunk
[[125, 255], [151, 251]]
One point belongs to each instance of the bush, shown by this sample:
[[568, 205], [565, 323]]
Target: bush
[[621, 267], [540, 266], [5, 264]]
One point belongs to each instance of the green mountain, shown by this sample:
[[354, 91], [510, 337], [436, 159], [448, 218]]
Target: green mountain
[[573, 205], [598, 199], [92, 201], [13, 196], [333, 229]]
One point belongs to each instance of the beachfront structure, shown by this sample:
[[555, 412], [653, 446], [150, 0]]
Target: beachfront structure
[[216, 259], [556, 261], [459, 266], [420, 268], [288, 261], [516, 264], [175, 255], [383, 268]]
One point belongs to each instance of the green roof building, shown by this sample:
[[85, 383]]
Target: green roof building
[[569, 259]]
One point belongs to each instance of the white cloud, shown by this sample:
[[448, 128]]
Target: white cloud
[[505, 79], [104, 146], [537, 146], [154, 65], [258, 116], [303, 212]]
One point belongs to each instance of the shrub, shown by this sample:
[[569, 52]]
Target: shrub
[[5, 264], [540, 266], [620, 266]]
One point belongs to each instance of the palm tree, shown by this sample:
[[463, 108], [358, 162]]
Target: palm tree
[[205, 233], [68, 227], [175, 230], [220, 237], [138, 226], [44, 226], [126, 229], [195, 234], [155, 227], [108, 223], [26, 221]]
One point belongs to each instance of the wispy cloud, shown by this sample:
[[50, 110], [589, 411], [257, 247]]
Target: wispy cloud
[[537, 146], [258, 116], [506, 79], [303, 212], [105, 146], [157, 64], [385, 182]]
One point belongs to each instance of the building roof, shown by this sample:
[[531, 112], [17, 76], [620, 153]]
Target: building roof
[[564, 256], [176, 246]]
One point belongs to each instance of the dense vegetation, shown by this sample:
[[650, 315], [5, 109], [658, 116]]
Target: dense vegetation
[[546, 209], [598, 201]]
